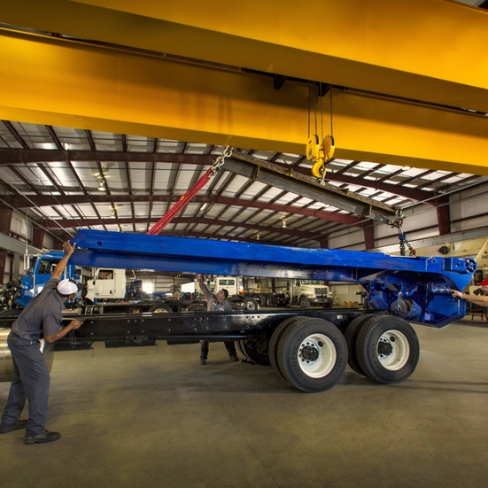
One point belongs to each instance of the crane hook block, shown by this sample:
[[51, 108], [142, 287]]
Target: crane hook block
[[313, 148], [320, 154]]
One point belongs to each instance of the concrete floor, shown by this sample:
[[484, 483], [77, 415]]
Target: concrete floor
[[153, 417]]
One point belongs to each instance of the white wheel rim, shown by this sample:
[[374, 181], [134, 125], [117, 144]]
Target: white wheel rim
[[317, 356], [160, 310], [393, 350]]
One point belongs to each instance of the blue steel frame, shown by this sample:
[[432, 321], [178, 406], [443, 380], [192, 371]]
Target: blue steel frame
[[415, 288]]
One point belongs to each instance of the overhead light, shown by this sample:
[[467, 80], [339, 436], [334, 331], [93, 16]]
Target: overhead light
[[283, 222]]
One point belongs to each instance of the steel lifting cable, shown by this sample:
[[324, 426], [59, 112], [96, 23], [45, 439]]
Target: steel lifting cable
[[319, 151], [182, 202]]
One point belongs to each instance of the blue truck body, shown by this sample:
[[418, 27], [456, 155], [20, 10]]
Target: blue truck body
[[416, 289]]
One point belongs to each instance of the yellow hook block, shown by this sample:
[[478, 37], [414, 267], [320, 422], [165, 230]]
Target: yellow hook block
[[320, 154]]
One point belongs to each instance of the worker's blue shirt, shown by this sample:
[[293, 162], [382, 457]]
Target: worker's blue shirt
[[42, 315]]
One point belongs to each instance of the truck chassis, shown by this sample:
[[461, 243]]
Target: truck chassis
[[309, 348]]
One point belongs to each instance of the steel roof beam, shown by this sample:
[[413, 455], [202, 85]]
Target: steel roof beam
[[19, 157], [20, 201]]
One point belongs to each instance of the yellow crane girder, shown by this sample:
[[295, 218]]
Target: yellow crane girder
[[429, 50], [377, 46]]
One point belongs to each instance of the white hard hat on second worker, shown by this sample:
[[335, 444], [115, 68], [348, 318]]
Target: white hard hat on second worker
[[67, 287]]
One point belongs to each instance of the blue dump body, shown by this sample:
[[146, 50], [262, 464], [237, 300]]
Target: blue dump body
[[414, 288]]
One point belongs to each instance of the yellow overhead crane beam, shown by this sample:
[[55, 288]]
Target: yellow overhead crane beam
[[55, 82], [65, 83], [430, 50]]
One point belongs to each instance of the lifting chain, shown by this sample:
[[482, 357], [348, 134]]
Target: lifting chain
[[399, 217], [221, 159]]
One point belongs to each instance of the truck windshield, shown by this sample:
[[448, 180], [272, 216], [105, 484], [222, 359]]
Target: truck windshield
[[227, 282], [105, 274], [47, 267]]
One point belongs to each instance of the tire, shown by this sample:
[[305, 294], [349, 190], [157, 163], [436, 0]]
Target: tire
[[387, 349], [249, 350], [312, 355], [304, 302], [351, 336], [275, 340], [160, 308], [269, 302], [250, 304]]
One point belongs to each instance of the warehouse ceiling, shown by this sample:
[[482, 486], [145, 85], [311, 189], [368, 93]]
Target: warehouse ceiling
[[64, 178]]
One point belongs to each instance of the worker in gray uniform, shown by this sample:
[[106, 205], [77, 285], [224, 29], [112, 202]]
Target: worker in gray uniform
[[216, 303], [40, 319]]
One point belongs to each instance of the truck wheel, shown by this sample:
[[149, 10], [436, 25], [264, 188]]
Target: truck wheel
[[312, 355], [304, 302], [275, 340], [249, 350], [269, 302], [250, 304], [351, 336], [387, 349], [160, 308]]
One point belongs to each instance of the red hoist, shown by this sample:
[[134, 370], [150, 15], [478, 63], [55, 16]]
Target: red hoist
[[182, 202]]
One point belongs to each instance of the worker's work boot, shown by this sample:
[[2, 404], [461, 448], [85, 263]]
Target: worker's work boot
[[42, 438], [203, 361]]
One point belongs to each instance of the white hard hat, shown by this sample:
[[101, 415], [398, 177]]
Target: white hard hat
[[67, 287]]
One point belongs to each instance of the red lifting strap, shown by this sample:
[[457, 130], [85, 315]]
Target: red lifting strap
[[175, 209]]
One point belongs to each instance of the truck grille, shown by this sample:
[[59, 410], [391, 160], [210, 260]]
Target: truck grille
[[321, 292]]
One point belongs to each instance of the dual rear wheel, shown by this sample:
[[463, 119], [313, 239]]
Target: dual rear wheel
[[384, 348], [312, 353], [308, 352]]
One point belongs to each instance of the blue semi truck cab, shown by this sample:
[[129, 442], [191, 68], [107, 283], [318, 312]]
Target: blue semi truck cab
[[39, 272]]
